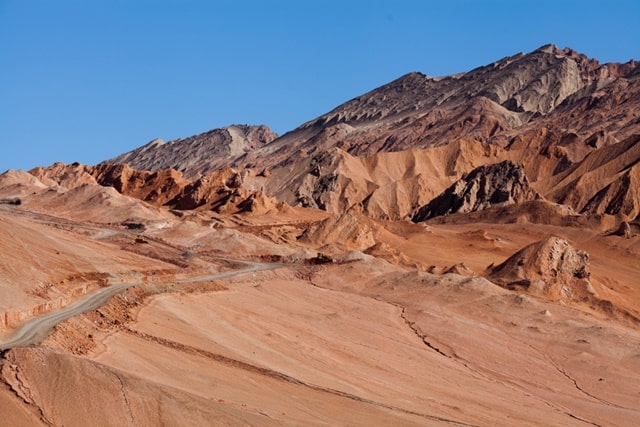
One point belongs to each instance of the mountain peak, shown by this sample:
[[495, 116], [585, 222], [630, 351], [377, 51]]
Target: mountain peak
[[548, 48], [414, 111], [198, 153], [533, 83]]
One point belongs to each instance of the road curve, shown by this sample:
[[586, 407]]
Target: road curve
[[35, 330], [252, 267]]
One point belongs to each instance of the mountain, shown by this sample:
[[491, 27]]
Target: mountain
[[199, 153], [547, 110], [418, 111], [480, 229]]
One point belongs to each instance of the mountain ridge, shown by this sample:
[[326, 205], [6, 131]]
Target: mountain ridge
[[199, 153], [356, 270], [524, 104]]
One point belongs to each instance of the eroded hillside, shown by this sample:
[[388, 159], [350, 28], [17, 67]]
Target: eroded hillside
[[461, 250]]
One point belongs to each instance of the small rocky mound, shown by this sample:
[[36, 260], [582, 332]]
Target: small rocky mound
[[389, 253], [19, 184], [350, 229], [487, 186], [20, 181], [460, 269], [550, 268], [259, 203]]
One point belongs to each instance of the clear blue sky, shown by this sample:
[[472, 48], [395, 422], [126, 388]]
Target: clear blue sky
[[85, 80]]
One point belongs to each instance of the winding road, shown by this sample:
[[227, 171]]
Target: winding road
[[35, 330]]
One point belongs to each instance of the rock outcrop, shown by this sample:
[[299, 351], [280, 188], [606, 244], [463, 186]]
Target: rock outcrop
[[607, 181], [623, 230], [157, 188], [498, 184], [118, 185], [621, 197], [348, 229], [550, 268]]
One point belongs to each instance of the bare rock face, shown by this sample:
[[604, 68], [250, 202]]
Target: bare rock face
[[256, 203], [498, 184], [157, 188], [621, 197], [213, 190], [606, 182], [550, 268], [222, 190], [199, 153]]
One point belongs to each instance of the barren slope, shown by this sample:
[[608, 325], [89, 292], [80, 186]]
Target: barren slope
[[514, 301], [361, 341], [44, 266]]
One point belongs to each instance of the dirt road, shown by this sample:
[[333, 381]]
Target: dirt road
[[35, 330]]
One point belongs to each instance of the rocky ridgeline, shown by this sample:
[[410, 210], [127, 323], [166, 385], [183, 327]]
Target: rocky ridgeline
[[533, 83], [551, 109], [199, 153]]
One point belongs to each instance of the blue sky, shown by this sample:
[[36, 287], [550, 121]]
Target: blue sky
[[86, 80]]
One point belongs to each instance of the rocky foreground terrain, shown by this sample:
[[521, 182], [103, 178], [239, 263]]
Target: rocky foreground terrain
[[461, 250]]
